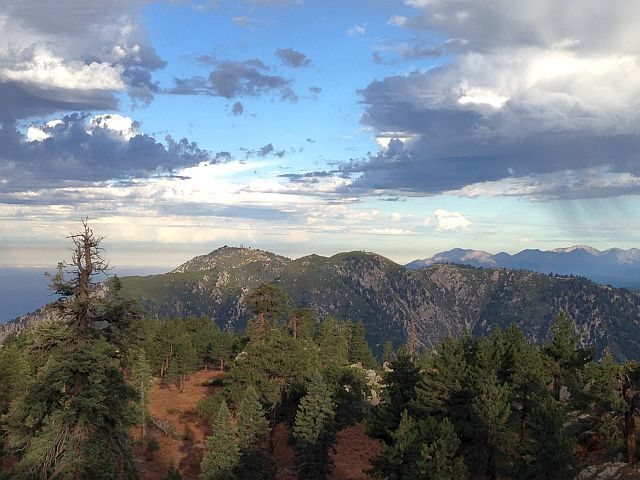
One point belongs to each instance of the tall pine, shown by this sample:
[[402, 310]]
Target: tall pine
[[313, 431], [222, 450]]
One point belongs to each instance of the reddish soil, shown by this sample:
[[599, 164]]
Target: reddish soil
[[354, 452], [178, 409], [354, 448]]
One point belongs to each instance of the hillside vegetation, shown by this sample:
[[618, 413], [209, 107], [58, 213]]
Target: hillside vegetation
[[395, 302]]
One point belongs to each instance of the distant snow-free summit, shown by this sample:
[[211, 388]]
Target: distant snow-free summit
[[615, 266]]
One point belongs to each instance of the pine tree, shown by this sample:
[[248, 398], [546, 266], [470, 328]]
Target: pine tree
[[439, 454], [268, 302], [548, 455], [173, 473], [252, 432], [428, 449], [222, 449], [313, 431], [73, 420], [493, 411], [333, 340], [184, 362], [252, 424], [400, 391], [567, 357], [142, 380], [387, 352], [399, 452], [302, 323], [359, 350]]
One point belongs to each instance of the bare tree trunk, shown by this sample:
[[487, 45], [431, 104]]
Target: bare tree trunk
[[630, 435], [261, 324]]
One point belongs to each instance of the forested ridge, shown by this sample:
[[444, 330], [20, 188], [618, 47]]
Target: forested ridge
[[76, 391], [393, 301]]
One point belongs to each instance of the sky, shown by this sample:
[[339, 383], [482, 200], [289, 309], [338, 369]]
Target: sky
[[317, 126]]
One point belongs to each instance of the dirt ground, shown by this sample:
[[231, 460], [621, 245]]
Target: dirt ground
[[354, 449], [178, 409]]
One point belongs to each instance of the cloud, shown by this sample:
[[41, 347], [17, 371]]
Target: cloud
[[293, 58], [356, 30], [528, 92], [444, 221], [79, 149], [232, 79], [237, 108], [47, 66]]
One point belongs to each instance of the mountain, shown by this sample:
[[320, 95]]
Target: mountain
[[437, 302], [617, 267]]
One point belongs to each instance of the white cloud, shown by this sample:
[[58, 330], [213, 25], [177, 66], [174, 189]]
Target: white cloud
[[397, 21], [443, 220], [121, 126], [355, 30]]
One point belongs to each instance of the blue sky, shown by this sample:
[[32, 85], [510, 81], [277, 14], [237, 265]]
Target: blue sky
[[298, 126]]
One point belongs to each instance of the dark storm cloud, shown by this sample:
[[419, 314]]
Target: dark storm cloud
[[98, 52], [581, 24], [526, 96], [457, 146], [232, 79], [20, 100], [293, 58], [77, 152]]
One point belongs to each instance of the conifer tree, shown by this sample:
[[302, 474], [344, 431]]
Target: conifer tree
[[548, 455], [439, 455], [142, 380], [427, 449], [313, 431], [387, 352], [72, 421], [397, 458], [359, 350], [400, 383], [442, 388], [173, 473], [268, 302], [567, 357], [252, 424], [222, 449], [252, 432], [184, 362], [333, 340], [493, 411], [302, 323]]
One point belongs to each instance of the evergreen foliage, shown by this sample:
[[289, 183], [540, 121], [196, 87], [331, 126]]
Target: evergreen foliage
[[313, 431], [400, 383], [222, 450], [252, 424], [142, 380], [173, 473], [359, 350], [71, 420]]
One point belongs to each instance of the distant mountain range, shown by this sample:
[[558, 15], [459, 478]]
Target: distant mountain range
[[617, 267], [393, 301], [436, 302]]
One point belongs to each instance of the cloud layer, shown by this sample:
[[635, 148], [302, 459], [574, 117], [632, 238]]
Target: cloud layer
[[530, 91]]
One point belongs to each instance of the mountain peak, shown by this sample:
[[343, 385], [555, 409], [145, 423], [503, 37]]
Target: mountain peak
[[230, 257], [586, 248]]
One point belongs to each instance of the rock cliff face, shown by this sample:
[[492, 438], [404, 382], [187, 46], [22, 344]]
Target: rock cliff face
[[436, 302]]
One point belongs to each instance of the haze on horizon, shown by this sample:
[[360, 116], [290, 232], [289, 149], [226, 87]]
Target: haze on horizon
[[404, 128]]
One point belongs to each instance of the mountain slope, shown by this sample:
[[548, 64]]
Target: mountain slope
[[614, 266], [439, 301]]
